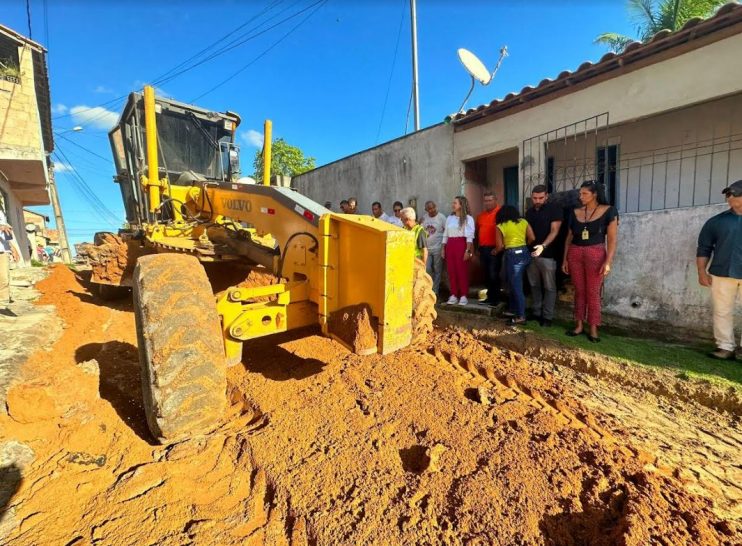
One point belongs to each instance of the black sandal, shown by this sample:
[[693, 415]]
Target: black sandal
[[572, 333], [594, 339], [516, 321]]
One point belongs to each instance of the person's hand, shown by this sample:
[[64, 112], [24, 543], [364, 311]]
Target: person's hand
[[605, 269], [565, 267], [14, 253], [443, 253], [6, 229], [467, 255], [704, 279], [537, 250], [494, 252]]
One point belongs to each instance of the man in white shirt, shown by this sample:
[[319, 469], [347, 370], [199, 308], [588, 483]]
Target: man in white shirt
[[379, 213], [6, 249], [435, 224], [396, 220]]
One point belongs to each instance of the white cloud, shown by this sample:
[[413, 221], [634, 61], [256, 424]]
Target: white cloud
[[253, 138], [102, 89], [59, 109], [62, 167], [95, 116], [159, 91]]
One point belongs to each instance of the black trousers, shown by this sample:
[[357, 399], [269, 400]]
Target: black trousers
[[491, 268]]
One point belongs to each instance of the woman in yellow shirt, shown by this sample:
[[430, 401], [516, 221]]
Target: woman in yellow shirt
[[512, 236]]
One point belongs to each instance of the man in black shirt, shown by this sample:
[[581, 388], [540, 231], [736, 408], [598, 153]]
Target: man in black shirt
[[721, 237], [545, 219]]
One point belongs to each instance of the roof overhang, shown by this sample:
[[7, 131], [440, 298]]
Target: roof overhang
[[27, 180], [664, 45]]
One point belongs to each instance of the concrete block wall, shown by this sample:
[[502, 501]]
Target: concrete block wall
[[418, 166], [20, 133], [654, 275]]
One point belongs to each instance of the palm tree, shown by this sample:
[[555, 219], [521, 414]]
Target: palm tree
[[651, 16]]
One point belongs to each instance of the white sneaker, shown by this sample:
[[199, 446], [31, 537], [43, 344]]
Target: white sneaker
[[463, 300], [453, 300]]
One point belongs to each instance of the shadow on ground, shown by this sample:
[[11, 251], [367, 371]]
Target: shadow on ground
[[276, 363], [120, 381], [10, 483]]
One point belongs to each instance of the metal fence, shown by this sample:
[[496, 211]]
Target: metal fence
[[679, 159]]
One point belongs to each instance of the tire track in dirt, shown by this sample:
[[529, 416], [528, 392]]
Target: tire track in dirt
[[89, 472]]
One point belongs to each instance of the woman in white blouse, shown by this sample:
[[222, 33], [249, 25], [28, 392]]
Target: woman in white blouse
[[458, 241]]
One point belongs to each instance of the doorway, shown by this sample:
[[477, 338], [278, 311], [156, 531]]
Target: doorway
[[510, 183]]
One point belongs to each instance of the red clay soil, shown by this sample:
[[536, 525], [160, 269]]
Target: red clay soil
[[353, 325], [454, 443], [110, 258]]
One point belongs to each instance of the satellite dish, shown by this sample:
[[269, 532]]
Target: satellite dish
[[477, 70], [474, 66]]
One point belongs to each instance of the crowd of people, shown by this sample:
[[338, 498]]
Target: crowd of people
[[551, 241], [513, 249]]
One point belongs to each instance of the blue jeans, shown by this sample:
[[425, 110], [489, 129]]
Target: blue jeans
[[516, 261]]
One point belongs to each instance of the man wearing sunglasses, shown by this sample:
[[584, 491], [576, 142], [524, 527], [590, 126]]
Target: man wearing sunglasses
[[721, 237]]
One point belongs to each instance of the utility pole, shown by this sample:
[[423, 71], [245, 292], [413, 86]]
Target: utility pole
[[415, 97], [54, 197]]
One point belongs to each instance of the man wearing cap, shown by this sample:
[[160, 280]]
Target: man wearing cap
[[721, 237]]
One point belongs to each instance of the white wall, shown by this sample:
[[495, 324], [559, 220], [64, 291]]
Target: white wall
[[419, 166], [654, 274]]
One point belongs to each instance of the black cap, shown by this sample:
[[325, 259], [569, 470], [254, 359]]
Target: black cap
[[734, 189]]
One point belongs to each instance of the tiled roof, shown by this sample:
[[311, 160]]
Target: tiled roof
[[727, 16]]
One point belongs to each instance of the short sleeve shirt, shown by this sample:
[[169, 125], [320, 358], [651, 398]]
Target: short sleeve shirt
[[486, 227], [540, 221], [596, 229]]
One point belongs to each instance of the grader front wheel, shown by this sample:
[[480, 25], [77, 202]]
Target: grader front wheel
[[423, 304], [181, 351]]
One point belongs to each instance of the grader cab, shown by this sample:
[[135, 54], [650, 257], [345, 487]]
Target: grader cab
[[290, 262]]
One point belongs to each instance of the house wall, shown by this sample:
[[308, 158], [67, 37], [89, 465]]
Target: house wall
[[14, 212], [654, 275], [20, 125], [23, 174], [419, 166], [706, 73], [676, 159]]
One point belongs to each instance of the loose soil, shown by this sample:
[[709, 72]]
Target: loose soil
[[458, 441]]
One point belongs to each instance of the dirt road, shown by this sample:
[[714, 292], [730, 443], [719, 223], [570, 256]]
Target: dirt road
[[454, 442]]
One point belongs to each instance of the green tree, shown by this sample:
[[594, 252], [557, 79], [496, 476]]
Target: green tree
[[286, 160], [651, 16]]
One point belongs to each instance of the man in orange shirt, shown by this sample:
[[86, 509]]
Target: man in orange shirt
[[485, 241]]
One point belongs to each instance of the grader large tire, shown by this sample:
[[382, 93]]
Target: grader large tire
[[423, 304], [181, 351]]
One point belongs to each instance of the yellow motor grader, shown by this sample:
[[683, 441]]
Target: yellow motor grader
[[291, 262]]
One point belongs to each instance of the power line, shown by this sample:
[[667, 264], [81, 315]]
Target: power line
[[391, 71], [60, 135], [216, 42], [161, 79], [230, 47], [318, 5], [98, 206], [46, 27], [28, 17]]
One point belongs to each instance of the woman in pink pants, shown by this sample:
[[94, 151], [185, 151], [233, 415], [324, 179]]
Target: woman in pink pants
[[458, 239], [588, 256]]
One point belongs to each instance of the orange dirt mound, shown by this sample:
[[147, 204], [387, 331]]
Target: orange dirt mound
[[454, 443]]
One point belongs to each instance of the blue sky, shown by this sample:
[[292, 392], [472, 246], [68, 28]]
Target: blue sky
[[323, 82]]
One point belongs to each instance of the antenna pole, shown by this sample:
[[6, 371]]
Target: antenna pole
[[415, 97]]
